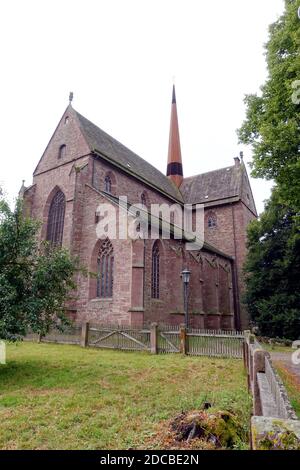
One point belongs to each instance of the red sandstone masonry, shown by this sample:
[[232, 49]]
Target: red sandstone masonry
[[211, 293]]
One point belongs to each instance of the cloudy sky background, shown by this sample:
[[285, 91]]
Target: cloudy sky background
[[119, 58]]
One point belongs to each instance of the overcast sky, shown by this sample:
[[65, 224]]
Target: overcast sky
[[119, 58]]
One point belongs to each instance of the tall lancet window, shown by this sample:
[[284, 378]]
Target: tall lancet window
[[56, 219], [62, 151], [105, 270], [155, 271], [107, 184]]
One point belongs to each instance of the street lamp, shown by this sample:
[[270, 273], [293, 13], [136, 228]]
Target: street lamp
[[186, 274]]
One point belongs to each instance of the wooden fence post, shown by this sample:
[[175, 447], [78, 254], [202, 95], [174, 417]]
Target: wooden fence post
[[245, 349], [84, 334], [153, 338], [258, 367], [183, 339]]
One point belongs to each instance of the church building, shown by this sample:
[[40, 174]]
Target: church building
[[138, 281]]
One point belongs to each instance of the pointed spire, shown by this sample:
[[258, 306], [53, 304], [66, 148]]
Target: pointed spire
[[174, 168], [22, 190], [173, 95]]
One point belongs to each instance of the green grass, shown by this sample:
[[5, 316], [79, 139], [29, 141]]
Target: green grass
[[277, 348], [291, 384], [66, 397]]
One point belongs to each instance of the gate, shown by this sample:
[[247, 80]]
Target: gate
[[119, 337]]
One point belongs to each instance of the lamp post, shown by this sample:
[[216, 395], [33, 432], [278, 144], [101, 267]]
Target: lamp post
[[186, 274]]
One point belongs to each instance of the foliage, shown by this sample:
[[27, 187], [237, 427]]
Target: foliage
[[35, 279], [66, 397], [273, 118], [280, 440], [272, 271]]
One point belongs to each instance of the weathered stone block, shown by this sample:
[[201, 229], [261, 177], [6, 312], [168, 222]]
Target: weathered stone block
[[274, 434]]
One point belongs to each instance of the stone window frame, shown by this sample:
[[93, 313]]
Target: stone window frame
[[105, 270], [62, 152], [212, 220], [107, 184], [155, 271], [56, 218]]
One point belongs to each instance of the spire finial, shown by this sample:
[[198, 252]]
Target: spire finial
[[174, 168], [71, 96], [173, 95]]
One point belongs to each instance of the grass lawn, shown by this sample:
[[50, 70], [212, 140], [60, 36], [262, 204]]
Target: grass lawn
[[65, 397], [277, 348], [292, 386]]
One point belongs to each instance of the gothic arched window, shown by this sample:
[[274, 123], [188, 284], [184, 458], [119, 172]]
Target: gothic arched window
[[212, 220], [56, 219], [155, 272], [62, 152], [107, 184], [105, 270], [143, 200]]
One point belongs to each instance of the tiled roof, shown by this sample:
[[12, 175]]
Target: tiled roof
[[102, 143], [213, 186]]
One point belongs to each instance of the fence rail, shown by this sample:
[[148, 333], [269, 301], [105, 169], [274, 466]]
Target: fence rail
[[216, 343], [158, 339], [116, 337]]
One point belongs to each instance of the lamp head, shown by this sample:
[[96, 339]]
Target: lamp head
[[186, 274]]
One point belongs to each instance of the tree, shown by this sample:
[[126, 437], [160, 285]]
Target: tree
[[272, 271], [35, 279], [272, 125]]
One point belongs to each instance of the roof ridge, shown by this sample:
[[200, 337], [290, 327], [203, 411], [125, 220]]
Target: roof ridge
[[170, 189], [210, 171]]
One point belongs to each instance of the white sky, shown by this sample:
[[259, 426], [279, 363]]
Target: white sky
[[119, 58]]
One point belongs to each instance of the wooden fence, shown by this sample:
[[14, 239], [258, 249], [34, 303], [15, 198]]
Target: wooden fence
[[116, 337], [157, 339], [215, 343]]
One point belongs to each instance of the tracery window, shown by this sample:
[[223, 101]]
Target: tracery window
[[105, 270], [155, 271], [212, 220], [56, 219]]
